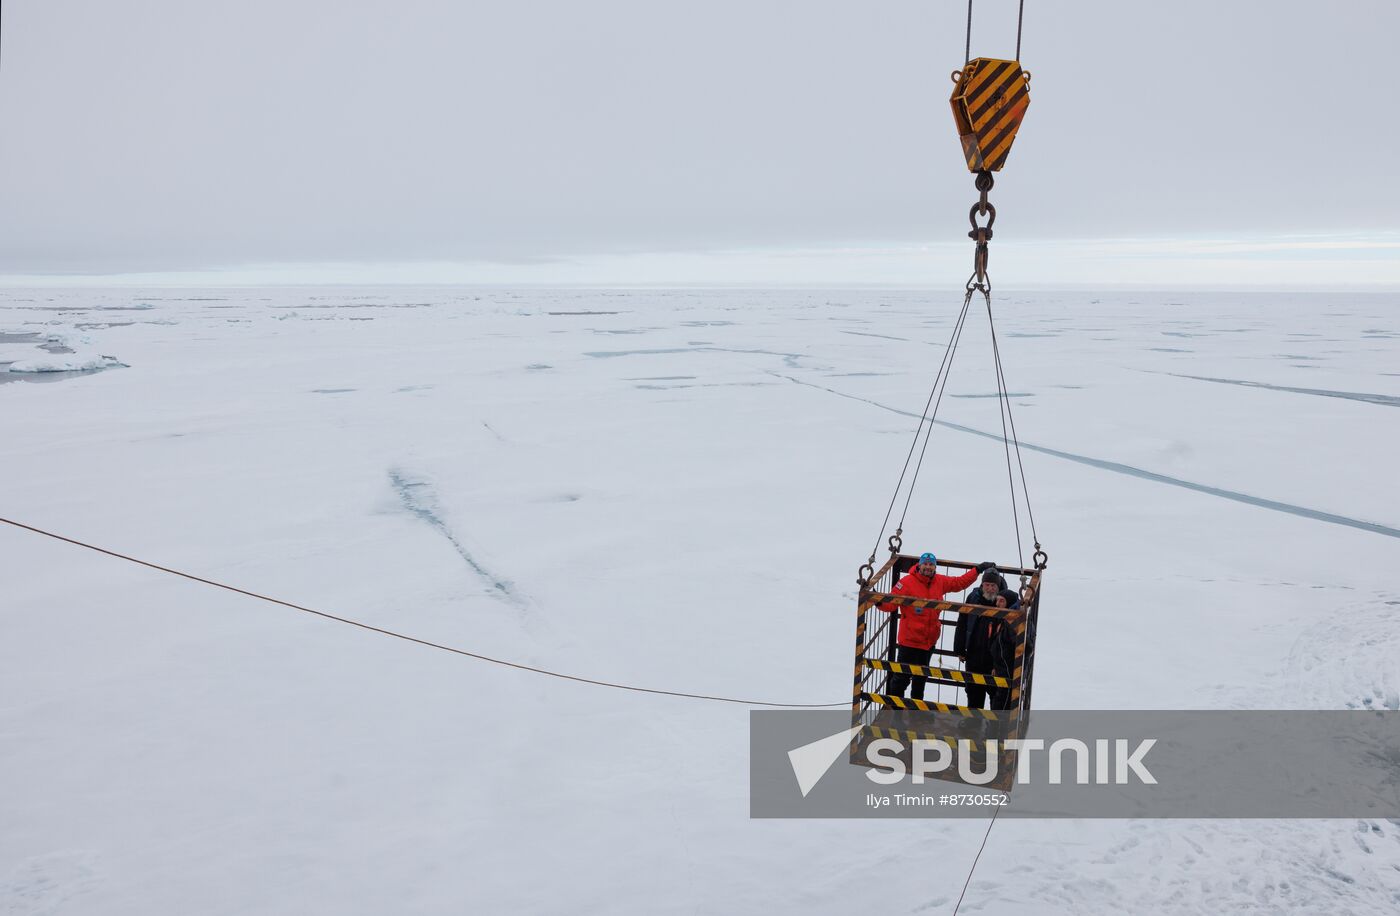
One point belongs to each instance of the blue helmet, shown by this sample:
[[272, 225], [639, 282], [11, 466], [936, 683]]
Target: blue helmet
[[927, 557]]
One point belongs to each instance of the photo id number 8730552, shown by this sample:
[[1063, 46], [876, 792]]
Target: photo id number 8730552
[[964, 798]]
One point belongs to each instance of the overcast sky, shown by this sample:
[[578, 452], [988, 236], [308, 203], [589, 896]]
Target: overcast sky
[[148, 136]]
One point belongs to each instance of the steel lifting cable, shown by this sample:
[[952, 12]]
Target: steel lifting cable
[[1011, 419], [981, 281], [940, 381], [962, 318], [913, 481], [1004, 405], [414, 639], [967, 49], [1020, 17]]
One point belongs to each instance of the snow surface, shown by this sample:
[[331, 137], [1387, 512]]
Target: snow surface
[[671, 489]]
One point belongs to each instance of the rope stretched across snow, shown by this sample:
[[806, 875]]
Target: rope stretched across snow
[[413, 639]]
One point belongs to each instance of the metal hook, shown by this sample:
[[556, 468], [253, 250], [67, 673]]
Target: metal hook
[[984, 209]]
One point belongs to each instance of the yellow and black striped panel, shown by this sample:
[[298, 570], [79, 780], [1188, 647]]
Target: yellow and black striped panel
[[1017, 674], [889, 599], [860, 654], [893, 702], [989, 102], [951, 674]]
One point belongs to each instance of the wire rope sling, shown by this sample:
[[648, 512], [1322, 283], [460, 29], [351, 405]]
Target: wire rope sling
[[904, 615]]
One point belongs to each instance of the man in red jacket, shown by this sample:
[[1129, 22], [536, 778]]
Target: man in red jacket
[[918, 626]]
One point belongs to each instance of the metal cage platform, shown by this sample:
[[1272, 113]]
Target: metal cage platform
[[947, 718]]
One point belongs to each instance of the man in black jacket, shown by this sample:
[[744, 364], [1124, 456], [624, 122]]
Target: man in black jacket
[[987, 645]]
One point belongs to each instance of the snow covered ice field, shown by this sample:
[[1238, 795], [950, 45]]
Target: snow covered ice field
[[671, 489]]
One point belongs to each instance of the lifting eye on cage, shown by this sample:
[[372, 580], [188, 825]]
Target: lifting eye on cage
[[1026, 75], [957, 75]]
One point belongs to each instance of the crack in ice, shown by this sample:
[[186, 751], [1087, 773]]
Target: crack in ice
[[1129, 470], [423, 510], [1384, 400]]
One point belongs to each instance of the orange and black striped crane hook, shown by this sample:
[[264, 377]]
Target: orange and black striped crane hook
[[990, 97], [989, 100]]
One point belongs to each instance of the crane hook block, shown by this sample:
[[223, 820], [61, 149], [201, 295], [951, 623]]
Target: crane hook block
[[989, 100]]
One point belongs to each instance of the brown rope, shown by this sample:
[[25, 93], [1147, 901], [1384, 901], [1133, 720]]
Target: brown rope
[[407, 638]]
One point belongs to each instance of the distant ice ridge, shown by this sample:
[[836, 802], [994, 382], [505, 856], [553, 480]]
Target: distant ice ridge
[[66, 362]]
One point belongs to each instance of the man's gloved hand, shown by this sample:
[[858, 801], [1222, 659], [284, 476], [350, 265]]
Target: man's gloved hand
[[983, 567]]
